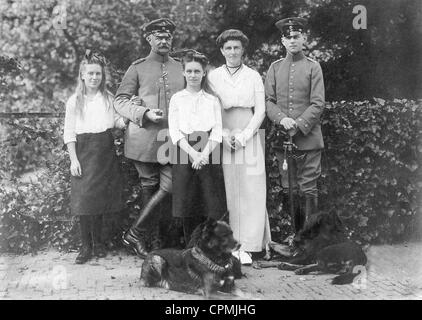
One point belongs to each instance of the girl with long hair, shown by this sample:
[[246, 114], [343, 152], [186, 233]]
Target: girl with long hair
[[95, 175], [195, 128]]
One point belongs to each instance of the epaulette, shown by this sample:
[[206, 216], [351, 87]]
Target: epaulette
[[138, 61], [312, 60], [277, 61]]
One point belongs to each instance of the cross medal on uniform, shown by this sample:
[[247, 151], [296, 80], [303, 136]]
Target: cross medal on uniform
[[160, 84]]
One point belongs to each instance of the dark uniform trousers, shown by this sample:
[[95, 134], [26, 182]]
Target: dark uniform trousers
[[306, 171], [154, 79], [294, 88]]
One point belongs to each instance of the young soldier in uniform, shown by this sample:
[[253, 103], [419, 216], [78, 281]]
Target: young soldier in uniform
[[154, 79], [294, 89]]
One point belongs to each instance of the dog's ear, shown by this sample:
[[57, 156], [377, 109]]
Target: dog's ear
[[207, 228], [210, 223]]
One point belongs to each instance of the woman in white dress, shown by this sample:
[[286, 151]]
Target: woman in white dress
[[241, 91]]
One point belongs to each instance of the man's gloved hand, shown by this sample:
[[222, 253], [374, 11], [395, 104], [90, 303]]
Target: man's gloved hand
[[288, 123], [154, 115]]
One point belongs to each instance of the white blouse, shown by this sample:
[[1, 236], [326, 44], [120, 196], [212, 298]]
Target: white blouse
[[245, 90], [190, 112], [97, 117]]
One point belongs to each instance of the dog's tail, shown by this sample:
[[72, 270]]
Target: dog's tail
[[345, 278]]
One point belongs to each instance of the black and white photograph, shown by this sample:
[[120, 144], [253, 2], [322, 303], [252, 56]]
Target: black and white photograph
[[230, 151]]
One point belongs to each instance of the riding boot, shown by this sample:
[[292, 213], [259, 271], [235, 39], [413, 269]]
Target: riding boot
[[135, 237], [311, 205], [296, 217], [85, 251], [98, 247], [160, 198]]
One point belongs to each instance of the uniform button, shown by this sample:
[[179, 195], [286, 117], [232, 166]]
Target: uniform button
[[300, 119], [293, 64], [292, 70], [306, 125], [291, 109], [291, 83], [291, 96], [291, 89]]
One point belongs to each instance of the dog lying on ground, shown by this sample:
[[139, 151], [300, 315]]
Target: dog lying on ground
[[323, 246], [205, 268]]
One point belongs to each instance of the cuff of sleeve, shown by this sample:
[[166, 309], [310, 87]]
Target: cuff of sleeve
[[69, 139], [226, 133], [278, 117], [218, 139], [176, 138], [140, 119], [303, 125]]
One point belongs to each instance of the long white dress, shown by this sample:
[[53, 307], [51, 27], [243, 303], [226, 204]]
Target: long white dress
[[244, 169]]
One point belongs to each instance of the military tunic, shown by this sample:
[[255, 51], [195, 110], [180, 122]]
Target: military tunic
[[154, 79], [294, 88]]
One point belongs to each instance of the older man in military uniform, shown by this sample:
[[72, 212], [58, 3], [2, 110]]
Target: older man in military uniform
[[153, 79], [294, 88]]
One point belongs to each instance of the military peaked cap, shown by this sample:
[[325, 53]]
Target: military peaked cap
[[162, 25], [288, 25]]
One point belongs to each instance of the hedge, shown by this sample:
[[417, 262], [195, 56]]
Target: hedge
[[371, 176]]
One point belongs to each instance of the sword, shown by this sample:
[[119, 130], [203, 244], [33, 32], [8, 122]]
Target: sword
[[288, 149]]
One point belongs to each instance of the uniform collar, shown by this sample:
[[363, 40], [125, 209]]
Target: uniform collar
[[157, 57], [295, 57]]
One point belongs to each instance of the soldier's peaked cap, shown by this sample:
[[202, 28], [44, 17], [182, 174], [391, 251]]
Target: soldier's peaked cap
[[288, 25], [163, 25]]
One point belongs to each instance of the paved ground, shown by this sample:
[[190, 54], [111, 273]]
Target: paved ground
[[395, 273]]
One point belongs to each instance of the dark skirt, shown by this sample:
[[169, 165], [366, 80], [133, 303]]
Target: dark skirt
[[99, 190], [198, 192]]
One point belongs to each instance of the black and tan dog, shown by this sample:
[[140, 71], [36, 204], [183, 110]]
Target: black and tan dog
[[322, 246], [205, 268]]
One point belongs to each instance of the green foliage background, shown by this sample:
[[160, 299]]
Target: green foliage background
[[371, 163]]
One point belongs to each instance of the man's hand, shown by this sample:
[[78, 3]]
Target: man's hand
[[154, 115], [288, 123]]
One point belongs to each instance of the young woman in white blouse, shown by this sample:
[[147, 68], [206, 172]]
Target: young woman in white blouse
[[196, 129], [241, 91], [95, 176]]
